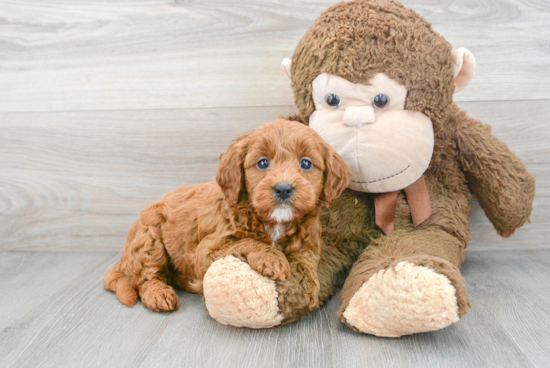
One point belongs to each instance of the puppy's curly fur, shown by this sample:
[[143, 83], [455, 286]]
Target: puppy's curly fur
[[175, 239]]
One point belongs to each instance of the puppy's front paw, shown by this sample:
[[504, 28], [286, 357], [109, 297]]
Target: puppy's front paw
[[271, 264], [158, 297]]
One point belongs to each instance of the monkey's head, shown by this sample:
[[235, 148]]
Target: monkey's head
[[376, 81]]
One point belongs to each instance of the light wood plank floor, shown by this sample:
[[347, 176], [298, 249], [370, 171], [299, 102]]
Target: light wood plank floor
[[107, 105], [58, 314]]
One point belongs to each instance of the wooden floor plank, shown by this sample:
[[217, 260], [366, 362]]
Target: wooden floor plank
[[79, 324], [62, 55], [23, 285], [513, 288], [77, 180]]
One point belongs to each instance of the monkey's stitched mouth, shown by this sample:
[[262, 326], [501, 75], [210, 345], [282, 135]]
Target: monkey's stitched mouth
[[387, 177]]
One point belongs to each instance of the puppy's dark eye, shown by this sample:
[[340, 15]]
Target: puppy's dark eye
[[333, 100], [380, 101], [263, 163], [306, 164]]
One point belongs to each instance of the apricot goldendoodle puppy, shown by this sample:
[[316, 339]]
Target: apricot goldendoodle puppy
[[262, 208]]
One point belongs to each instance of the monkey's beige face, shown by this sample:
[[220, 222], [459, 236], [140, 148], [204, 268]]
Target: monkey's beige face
[[386, 147]]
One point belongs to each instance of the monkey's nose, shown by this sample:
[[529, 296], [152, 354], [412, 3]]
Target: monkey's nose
[[283, 190], [355, 116]]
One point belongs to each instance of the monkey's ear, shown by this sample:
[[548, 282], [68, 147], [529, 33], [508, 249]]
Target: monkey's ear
[[286, 64], [230, 174], [464, 67]]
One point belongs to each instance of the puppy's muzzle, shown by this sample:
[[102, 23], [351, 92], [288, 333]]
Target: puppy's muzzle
[[283, 191]]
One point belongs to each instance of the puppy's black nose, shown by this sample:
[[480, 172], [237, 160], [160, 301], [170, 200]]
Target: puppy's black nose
[[283, 190]]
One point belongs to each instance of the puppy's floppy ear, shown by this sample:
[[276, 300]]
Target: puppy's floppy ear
[[337, 174], [230, 173]]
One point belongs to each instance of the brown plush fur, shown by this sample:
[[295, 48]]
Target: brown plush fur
[[356, 40], [175, 239]]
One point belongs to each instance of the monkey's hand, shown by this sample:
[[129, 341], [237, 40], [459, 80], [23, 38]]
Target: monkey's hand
[[499, 179]]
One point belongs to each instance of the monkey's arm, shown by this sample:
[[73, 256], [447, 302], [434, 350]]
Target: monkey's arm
[[499, 179]]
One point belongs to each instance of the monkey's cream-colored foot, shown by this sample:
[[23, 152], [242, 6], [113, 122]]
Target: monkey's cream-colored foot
[[237, 295], [403, 300]]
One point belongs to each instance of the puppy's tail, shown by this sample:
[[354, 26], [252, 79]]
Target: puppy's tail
[[118, 282]]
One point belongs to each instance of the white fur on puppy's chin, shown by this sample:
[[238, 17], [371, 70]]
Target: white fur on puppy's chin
[[236, 295], [282, 214], [403, 300]]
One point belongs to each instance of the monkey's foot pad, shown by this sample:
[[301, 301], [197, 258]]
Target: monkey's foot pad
[[237, 295], [403, 300]]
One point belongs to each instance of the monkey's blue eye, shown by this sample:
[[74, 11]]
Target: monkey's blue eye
[[380, 101], [306, 164], [263, 163], [333, 100]]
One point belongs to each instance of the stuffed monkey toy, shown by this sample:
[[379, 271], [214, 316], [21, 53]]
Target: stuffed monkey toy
[[377, 82]]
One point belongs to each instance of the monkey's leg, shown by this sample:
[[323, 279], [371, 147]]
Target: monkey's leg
[[237, 295], [334, 266], [406, 283]]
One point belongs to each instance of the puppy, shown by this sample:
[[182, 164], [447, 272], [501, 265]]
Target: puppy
[[263, 208]]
